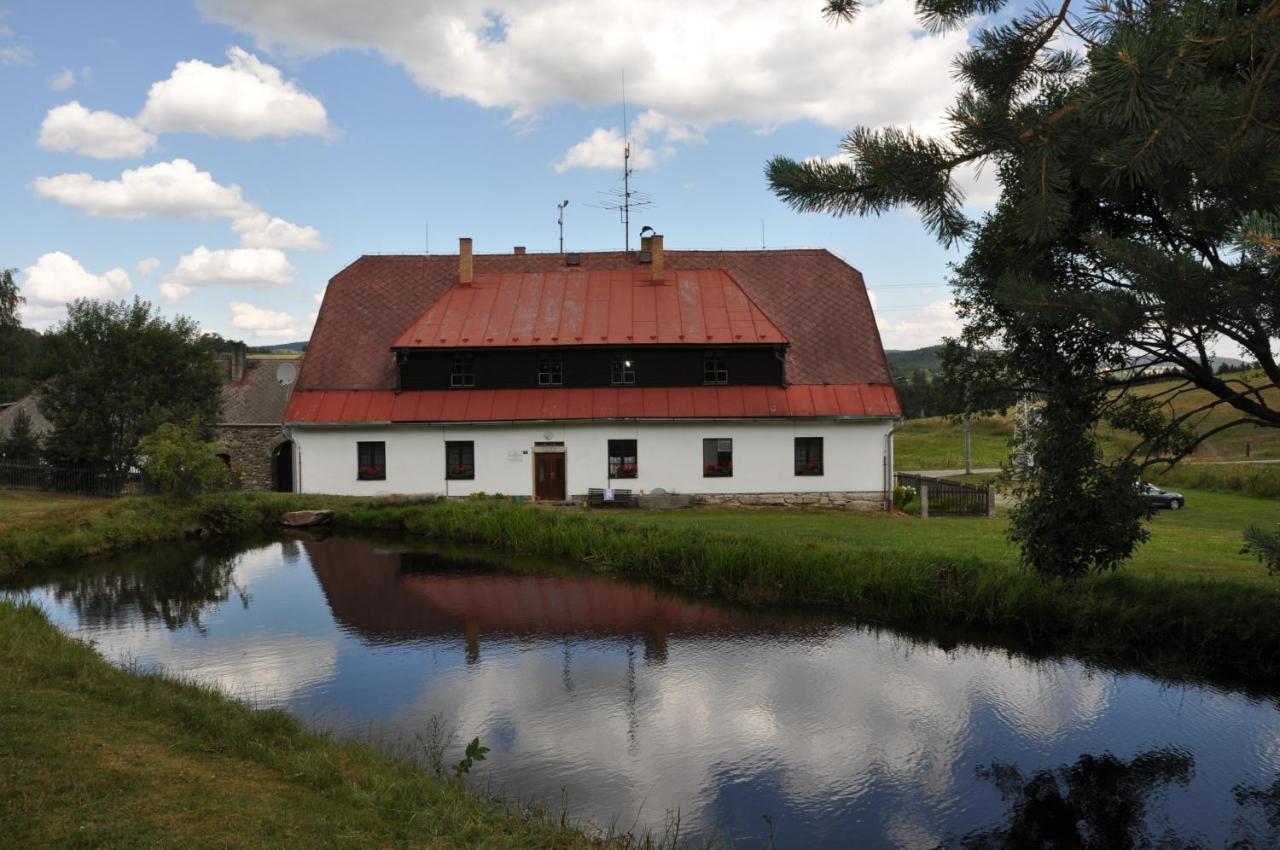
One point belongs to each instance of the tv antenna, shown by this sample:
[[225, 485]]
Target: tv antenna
[[560, 221], [624, 199]]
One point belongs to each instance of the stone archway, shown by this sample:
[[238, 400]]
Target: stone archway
[[282, 467]]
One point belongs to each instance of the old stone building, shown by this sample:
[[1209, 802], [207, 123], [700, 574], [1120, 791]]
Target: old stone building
[[250, 436]]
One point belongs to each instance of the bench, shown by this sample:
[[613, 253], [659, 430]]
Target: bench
[[618, 498]]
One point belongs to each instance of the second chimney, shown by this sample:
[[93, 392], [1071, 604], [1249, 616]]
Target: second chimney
[[655, 246], [464, 260], [519, 249]]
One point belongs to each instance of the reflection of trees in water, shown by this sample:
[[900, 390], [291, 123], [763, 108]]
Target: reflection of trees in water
[[1097, 803], [1251, 799], [173, 588]]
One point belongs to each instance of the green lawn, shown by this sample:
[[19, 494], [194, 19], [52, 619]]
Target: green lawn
[[1201, 540], [92, 756], [17, 506]]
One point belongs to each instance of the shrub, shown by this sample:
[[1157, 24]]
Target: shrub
[[1264, 546], [180, 464]]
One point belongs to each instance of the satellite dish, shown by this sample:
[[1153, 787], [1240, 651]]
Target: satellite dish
[[287, 373]]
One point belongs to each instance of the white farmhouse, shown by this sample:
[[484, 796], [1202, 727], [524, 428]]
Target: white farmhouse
[[738, 376]]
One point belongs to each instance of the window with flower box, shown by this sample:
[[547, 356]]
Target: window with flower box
[[371, 461], [460, 460], [623, 460], [717, 458], [808, 455]]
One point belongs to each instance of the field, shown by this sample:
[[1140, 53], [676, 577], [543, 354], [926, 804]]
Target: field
[[1201, 541], [938, 443]]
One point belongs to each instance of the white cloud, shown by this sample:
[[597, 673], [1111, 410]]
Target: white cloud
[[63, 80], [760, 61], [57, 279], [259, 268], [268, 324], [147, 266], [245, 99], [12, 54], [924, 326], [104, 135], [174, 189], [603, 148], [177, 189], [263, 231]]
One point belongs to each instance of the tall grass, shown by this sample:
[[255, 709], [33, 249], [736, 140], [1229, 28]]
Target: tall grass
[[1256, 479]]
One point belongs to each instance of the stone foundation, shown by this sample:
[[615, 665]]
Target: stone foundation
[[853, 501], [250, 448]]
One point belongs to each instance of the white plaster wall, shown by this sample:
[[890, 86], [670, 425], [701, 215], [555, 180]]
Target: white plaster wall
[[670, 457]]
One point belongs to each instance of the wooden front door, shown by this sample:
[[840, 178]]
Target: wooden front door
[[548, 475]]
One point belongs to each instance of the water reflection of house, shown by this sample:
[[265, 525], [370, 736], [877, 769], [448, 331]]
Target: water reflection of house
[[387, 596]]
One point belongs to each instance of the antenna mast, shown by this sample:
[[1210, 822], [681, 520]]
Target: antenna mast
[[623, 201]]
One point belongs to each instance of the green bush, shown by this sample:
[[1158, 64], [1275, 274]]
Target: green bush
[[180, 463]]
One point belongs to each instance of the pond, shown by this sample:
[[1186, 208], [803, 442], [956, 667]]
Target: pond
[[629, 704]]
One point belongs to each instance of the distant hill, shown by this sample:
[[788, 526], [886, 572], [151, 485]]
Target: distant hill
[[905, 362], [279, 349]]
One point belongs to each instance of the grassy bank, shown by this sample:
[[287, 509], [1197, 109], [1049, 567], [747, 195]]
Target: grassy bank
[[1189, 601], [95, 756]]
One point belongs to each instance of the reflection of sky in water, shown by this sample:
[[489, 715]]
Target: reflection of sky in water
[[635, 704]]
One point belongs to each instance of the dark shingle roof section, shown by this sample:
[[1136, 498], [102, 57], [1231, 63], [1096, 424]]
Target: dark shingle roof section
[[39, 425], [259, 398], [813, 297]]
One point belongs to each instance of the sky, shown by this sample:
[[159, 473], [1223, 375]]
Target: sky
[[225, 158]]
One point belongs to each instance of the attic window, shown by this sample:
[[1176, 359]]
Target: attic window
[[623, 372], [463, 372], [550, 370], [715, 368]]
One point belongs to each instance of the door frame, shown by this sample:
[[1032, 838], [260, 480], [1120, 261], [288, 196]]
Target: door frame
[[549, 449]]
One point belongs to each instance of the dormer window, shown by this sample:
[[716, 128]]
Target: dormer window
[[715, 368], [623, 373], [550, 370], [463, 372]]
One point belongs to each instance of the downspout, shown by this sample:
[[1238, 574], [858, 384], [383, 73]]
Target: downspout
[[889, 464]]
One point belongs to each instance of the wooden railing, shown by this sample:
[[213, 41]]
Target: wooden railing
[[79, 480], [944, 497]]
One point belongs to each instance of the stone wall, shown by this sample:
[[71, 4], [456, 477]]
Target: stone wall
[[250, 448], [854, 501]]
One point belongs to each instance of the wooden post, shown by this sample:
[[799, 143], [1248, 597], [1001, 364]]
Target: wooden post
[[924, 499], [991, 500]]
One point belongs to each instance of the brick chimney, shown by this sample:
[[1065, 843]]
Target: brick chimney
[[465, 274], [519, 249], [236, 361], [655, 246]]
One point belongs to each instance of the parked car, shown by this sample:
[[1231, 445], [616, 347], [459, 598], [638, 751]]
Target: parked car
[[1162, 498]]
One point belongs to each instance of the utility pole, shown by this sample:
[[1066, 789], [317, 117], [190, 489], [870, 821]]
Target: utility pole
[[560, 221], [968, 447]]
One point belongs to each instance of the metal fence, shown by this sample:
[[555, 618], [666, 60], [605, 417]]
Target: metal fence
[[943, 497], [58, 479]]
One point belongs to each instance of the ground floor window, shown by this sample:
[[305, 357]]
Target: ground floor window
[[460, 460], [717, 458], [623, 461], [371, 461], [808, 455]]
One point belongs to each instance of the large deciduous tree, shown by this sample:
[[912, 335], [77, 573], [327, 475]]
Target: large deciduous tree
[[116, 372], [1137, 146]]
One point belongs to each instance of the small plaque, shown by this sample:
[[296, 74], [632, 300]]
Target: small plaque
[[515, 455]]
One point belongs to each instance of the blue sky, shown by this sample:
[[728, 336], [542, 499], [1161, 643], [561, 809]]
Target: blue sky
[[357, 129]]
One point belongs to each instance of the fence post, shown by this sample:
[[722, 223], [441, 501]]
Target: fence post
[[991, 500], [924, 499]]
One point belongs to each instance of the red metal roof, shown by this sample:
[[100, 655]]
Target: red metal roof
[[797, 400], [574, 306]]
